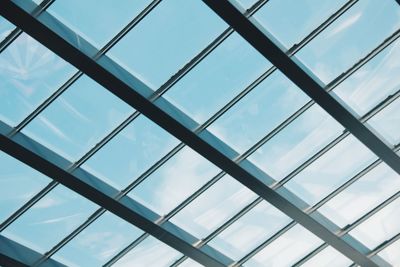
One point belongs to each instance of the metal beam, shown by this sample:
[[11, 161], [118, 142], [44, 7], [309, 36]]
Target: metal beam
[[67, 44], [304, 81]]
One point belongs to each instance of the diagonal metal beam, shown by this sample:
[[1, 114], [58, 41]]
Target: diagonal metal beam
[[303, 80], [50, 32]]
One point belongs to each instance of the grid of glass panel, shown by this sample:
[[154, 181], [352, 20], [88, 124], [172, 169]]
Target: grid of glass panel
[[190, 58]]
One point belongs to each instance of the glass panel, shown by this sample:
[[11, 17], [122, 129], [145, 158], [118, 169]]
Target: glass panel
[[286, 249], [391, 253], [98, 243], [259, 112], [387, 122], [328, 257], [174, 181], [250, 230], [351, 37], [29, 73], [297, 142], [51, 219], [373, 82], [331, 170], [150, 252], [78, 119], [166, 39], [96, 21], [222, 75], [5, 28], [380, 227], [190, 263], [215, 206], [23, 181], [130, 153], [290, 21], [362, 196]]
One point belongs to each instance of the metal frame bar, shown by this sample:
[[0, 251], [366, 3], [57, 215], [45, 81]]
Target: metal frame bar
[[116, 80]]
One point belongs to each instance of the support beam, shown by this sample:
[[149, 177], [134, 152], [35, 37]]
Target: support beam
[[74, 49]]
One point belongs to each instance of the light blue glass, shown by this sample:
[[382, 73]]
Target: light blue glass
[[51, 219], [29, 73], [328, 257], [190, 263], [130, 153], [362, 196], [150, 252], [297, 142], [165, 40], [96, 20], [249, 231], [223, 74], [391, 253], [332, 169], [287, 249], [18, 184], [78, 119], [373, 82], [259, 112], [99, 242], [212, 208], [174, 181], [350, 38], [290, 21], [5, 28]]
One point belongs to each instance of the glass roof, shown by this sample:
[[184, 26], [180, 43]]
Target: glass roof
[[159, 133]]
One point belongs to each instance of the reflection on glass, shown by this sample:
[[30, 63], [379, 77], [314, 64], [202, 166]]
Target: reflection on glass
[[150, 252], [362, 196], [18, 184], [29, 73], [5, 28], [373, 82], [331, 170], [351, 37], [98, 243], [78, 119], [327, 258], [165, 40], [297, 142], [105, 19], [223, 74], [290, 21], [249, 231], [259, 112], [190, 263], [380, 227], [174, 181], [215, 206], [130, 153], [391, 253], [286, 249], [51, 219]]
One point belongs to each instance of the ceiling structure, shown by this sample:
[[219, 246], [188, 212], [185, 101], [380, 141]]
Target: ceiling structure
[[219, 133]]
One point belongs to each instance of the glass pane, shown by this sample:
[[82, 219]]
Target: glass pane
[[259, 112], [387, 122], [362, 196], [74, 122], [29, 73], [351, 37], [166, 39], [250, 230], [297, 142], [286, 249], [391, 254], [190, 263], [215, 206], [5, 28], [373, 82], [331, 170], [380, 227], [98, 243], [51, 219], [18, 184], [174, 181], [290, 21], [104, 19], [150, 252], [327, 258], [130, 153]]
